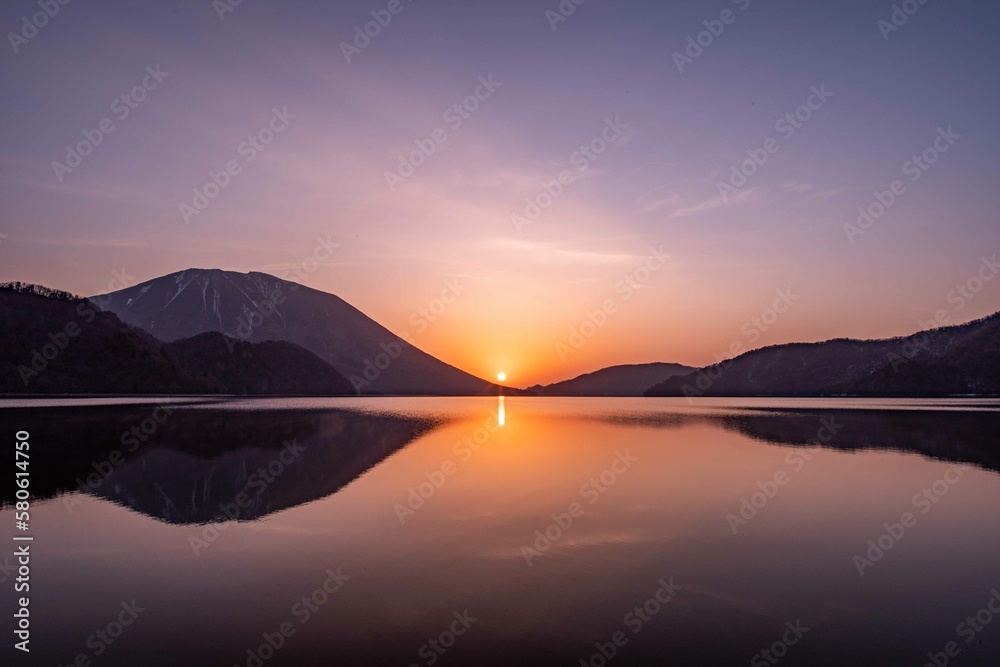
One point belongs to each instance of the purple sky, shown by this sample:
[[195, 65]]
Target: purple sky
[[664, 141]]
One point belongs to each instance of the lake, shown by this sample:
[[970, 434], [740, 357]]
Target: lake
[[516, 531]]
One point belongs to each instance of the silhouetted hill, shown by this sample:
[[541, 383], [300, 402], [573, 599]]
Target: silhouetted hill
[[55, 342], [58, 343], [950, 361], [624, 380], [258, 307], [271, 367]]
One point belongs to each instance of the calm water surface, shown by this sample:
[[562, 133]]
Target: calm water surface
[[527, 531]]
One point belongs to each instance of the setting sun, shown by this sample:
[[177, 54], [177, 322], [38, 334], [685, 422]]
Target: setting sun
[[501, 377]]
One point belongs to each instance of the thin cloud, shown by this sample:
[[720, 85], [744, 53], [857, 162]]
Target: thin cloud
[[714, 203], [550, 253]]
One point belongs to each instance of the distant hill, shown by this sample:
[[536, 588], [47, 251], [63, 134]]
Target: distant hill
[[268, 368], [259, 307], [624, 380], [950, 361], [59, 343]]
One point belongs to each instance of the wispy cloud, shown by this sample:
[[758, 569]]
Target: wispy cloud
[[549, 253], [657, 203], [714, 203]]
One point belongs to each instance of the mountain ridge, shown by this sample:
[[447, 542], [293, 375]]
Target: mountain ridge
[[954, 360], [309, 329]]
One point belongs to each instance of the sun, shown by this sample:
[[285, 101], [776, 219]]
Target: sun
[[501, 377]]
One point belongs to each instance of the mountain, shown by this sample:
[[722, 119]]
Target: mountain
[[268, 368], [56, 342], [955, 360], [259, 307], [624, 380]]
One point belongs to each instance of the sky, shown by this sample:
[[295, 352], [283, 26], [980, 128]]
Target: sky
[[589, 201]]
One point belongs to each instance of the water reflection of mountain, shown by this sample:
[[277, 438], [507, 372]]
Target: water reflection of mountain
[[955, 436], [198, 460]]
